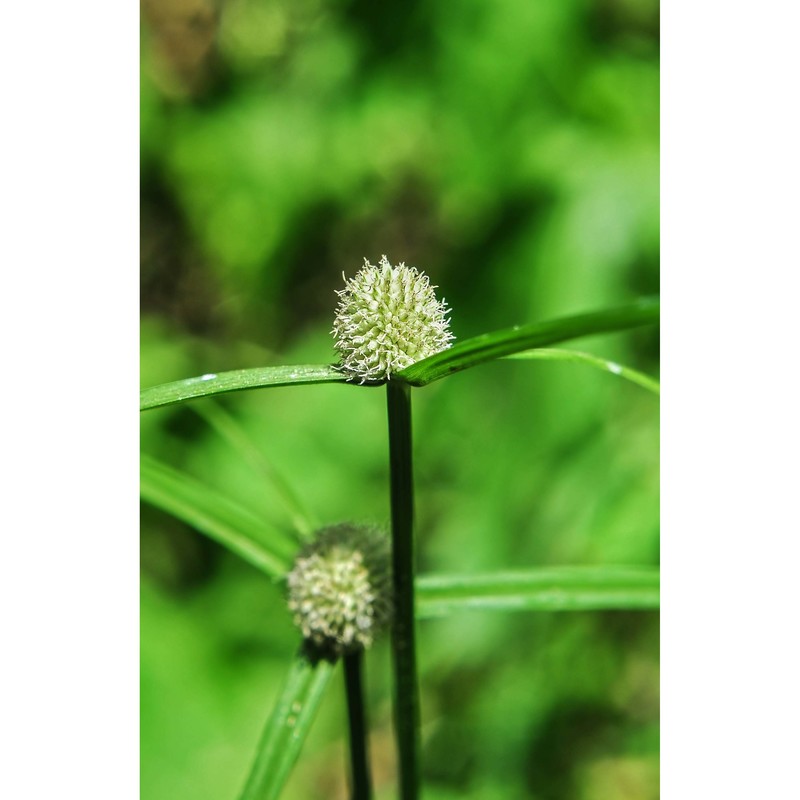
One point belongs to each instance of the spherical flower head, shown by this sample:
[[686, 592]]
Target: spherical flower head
[[387, 319], [340, 589]]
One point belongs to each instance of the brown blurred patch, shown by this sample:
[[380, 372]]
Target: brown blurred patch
[[176, 281], [626, 778], [183, 38]]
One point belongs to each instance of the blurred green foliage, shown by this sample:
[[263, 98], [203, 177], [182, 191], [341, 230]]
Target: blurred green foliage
[[510, 150]]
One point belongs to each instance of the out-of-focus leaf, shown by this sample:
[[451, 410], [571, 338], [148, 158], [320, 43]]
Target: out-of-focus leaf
[[214, 515], [287, 727], [489, 346], [651, 384], [231, 431], [544, 589], [236, 380]]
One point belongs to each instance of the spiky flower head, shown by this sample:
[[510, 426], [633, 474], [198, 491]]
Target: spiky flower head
[[340, 588], [387, 319]]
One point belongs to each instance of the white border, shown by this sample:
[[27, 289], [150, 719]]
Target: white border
[[70, 373], [729, 416]]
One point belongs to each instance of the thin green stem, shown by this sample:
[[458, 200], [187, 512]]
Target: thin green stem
[[359, 751], [406, 705]]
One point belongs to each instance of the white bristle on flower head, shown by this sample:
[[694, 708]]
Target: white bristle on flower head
[[387, 319]]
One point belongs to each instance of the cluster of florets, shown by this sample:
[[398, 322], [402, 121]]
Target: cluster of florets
[[387, 319], [340, 588]]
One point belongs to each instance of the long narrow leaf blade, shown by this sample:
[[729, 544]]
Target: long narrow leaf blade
[[544, 589], [216, 516], [497, 344], [287, 728], [232, 432], [645, 381], [236, 380]]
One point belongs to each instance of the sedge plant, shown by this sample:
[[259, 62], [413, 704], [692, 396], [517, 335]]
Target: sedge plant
[[349, 582]]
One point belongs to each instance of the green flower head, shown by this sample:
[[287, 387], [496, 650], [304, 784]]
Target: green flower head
[[387, 319], [340, 588]]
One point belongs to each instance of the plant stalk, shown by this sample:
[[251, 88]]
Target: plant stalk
[[406, 700], [359, 751]]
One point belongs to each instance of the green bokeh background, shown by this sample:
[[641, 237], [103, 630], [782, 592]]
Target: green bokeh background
[[510, 150]]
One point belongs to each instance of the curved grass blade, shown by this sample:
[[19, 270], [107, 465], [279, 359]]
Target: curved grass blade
[[544, 589], [645, 381], [232, 432], [214, 515], [236, 380], [287, 727], [489, 346]]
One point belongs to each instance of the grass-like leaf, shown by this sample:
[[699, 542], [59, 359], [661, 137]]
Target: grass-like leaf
[[489, 346], [544, 589], [287, 727], [236, 380], [209, 512], [645, 381], [232, 432], [463, 355]]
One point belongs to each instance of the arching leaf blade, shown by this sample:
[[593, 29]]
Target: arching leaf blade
[[216, 516], [490, 346], [166, 394], [632, 375]]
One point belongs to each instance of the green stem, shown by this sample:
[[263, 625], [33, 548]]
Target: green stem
[[359, 757], [406, 706]]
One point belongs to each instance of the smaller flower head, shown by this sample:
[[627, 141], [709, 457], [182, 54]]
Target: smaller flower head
[[387, 319], [340, 588]]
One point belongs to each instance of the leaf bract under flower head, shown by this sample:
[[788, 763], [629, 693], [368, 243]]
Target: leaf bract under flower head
[[387, 319]]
